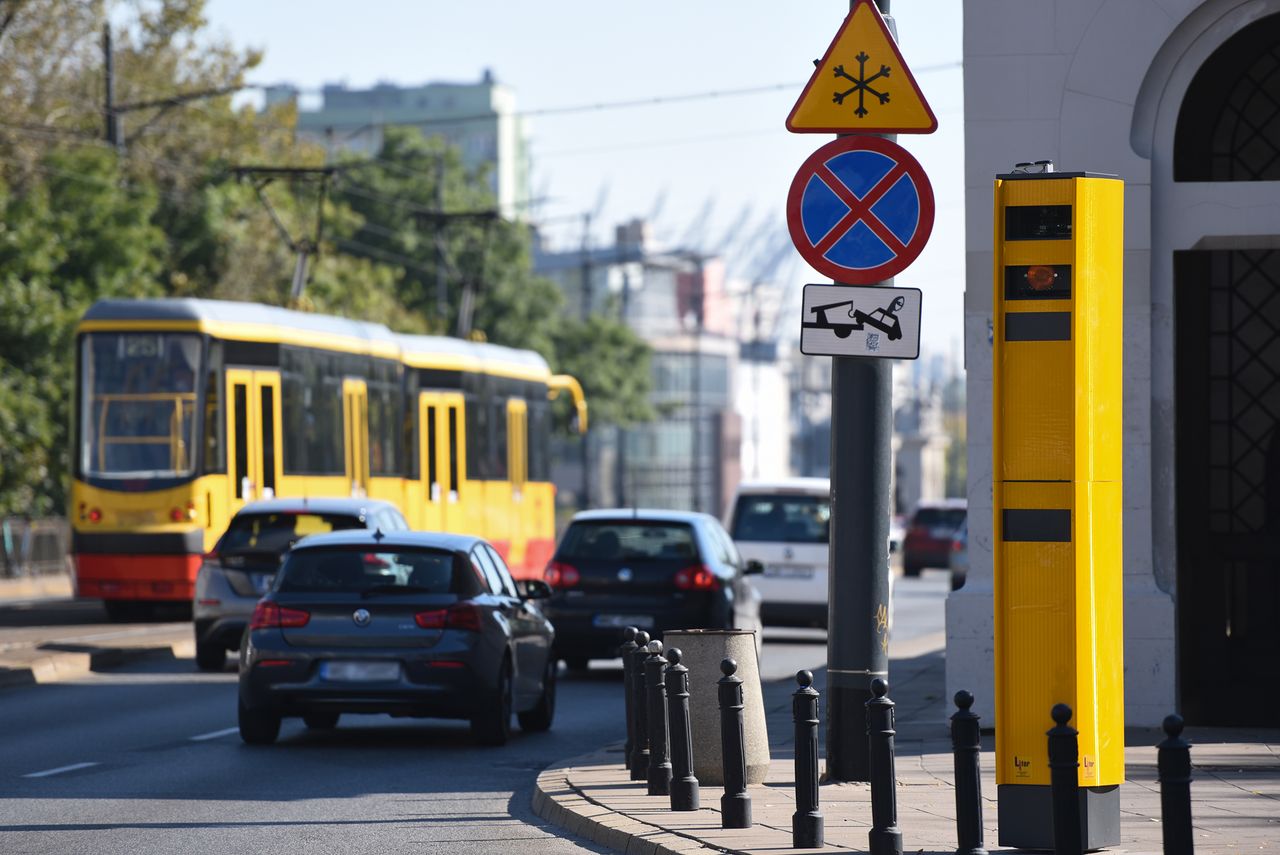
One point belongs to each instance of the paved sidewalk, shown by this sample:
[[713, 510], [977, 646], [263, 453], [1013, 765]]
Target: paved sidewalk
[[46, 636], [1235, 797]]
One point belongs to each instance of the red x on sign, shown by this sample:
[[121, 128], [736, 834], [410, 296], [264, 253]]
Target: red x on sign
[[860, 209]]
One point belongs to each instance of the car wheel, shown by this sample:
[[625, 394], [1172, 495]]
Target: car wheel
[[210, 657], [492, 725], [258, 727], [321, 721], [540, 717]]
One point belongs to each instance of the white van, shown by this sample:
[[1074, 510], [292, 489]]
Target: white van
[[785, 526]]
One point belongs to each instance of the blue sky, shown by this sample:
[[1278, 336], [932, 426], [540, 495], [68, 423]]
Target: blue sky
[[732, 150]]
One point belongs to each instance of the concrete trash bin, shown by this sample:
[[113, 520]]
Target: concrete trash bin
[[702, 651]]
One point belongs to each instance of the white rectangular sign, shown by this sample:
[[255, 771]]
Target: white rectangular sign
[[861, 320]]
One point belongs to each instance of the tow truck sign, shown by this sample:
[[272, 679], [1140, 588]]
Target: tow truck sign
[[850, 320]]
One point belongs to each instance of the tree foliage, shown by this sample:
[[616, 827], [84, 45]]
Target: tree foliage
[[166, 215]]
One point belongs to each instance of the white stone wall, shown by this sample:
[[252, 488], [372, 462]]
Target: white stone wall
[[1095, 85]]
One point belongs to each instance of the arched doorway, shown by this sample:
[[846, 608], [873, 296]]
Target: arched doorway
[[1227, 330]]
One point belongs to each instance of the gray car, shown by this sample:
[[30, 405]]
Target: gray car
[[408, 623], [242, 565]]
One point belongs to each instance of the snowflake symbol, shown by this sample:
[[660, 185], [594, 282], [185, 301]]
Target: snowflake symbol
[[861, 84]]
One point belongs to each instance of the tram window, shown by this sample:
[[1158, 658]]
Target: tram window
[[498, 458], [311, 399], [478, 446], [431, 447], [453, 449], [409, 418], [215, 448], [384, 416], [241, 398], [539, 436], [268, 439]]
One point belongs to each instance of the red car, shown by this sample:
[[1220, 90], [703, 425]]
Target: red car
[[928, 540]]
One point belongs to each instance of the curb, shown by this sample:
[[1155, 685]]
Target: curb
[[53, 667], [556, 800]]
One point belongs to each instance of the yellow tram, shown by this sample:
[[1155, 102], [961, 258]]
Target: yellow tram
[[186, 409]]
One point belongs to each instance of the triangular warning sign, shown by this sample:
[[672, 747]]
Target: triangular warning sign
[[862, 85]]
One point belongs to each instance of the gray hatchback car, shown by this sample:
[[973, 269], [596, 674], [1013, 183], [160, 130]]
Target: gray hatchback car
[[407, 623], [243, 563]]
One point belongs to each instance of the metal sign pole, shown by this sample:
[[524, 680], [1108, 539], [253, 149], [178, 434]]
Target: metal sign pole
[[858, 581]]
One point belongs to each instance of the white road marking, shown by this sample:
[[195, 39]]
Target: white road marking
[[216, 734], [47, 772]]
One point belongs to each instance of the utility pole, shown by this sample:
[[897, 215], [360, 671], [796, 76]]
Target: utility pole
[[112, 112], [584, 501], [858, 581], [442, 293], [114, 134]]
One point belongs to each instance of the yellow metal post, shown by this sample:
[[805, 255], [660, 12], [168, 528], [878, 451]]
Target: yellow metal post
[[1058, 323]]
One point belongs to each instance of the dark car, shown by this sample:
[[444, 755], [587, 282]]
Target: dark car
[[928, 539], [656, 570], [244, 561], [410, 624]]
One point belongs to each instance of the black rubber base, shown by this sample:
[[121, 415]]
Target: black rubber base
[[807, 831], [1025, 816]]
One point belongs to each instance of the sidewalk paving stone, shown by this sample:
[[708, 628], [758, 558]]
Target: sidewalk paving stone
[[1235, 794]]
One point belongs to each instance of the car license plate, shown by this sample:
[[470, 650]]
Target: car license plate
[[360, 672], [623, 621], [788, 571], [262, 582]]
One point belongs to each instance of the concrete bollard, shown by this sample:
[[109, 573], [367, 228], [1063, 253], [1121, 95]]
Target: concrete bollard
[[1173, 759], [684, 785], [966, 747], [1064, 766], [625, 651], [659, 773], [640, 741], [702, 652], [806, 822], [735, 804]]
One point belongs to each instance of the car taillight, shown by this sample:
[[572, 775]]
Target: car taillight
[[697, 578], [95, 515], [462, 616], [561, 575], [267, 615], [956, 546]]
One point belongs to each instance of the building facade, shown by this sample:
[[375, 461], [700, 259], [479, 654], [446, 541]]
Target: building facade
[[689, 456], [479, 118], [1181, 99]]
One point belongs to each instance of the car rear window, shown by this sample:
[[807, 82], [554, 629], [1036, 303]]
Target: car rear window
[[782, 519], [278, 531], [940, 517], [353, 570], [629, 540]]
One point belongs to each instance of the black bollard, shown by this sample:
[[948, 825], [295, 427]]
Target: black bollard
[[639, 703], [1173, 759], [806, 822], [735, 804], [684, 786], [659, 772], [1064, 765], [966, 746], [625, 651], [885, 838]]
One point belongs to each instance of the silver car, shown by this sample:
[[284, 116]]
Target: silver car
[[243, 563]]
